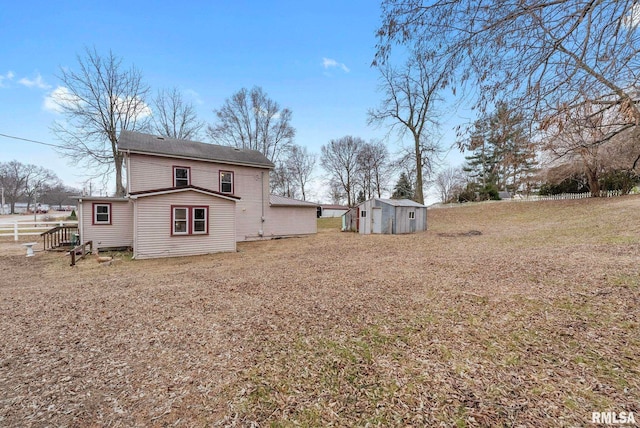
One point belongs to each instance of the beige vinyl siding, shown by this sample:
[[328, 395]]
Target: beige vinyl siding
[[287, 221], [253, 189], [117, 234], [153, 226], [251, 184]]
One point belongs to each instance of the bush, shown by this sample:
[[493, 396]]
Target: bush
[[73, 216], [489, 192], [621, 180]]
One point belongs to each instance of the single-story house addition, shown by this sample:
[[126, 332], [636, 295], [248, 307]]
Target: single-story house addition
[[186, 198], [387, 216]]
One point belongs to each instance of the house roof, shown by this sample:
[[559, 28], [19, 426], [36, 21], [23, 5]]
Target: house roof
[[281, 201], [136, 142], [169, 190]]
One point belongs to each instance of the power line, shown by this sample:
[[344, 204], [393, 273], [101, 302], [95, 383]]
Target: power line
[[30, 141]]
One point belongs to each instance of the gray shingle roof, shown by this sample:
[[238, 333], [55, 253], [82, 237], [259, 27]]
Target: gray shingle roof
[[137, 142]]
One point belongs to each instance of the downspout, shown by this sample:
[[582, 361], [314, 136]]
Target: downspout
[[261, 231], [127, 155], [80, 222]]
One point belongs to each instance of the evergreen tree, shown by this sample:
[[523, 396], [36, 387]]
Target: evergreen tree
[[403, 188], [502, 154]]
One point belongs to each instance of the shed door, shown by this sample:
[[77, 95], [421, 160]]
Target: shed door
[[376, 220]]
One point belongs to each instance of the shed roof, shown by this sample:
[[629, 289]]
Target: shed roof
[[281, 201], [334, 207], [136, 142], [402, 203]]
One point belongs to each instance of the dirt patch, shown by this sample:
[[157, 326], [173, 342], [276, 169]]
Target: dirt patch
[[533, 323], [457, 234]]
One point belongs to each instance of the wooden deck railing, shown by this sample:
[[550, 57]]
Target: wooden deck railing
[[60, 236], [80, 251]]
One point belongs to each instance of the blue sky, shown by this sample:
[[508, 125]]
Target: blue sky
[[312, 57]]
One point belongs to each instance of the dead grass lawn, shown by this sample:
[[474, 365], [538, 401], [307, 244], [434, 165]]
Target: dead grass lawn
[[532, 323]]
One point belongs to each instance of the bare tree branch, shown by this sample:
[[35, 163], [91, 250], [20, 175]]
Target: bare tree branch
[[98, 101]]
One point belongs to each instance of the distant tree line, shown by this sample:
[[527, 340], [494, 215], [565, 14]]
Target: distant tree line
[[32, 184]]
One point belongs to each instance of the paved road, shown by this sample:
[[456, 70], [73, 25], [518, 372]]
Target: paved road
[[22, 218]]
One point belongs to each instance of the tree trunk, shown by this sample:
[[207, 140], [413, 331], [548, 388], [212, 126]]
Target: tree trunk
[[419, 197], [594, 184], [120, 190]]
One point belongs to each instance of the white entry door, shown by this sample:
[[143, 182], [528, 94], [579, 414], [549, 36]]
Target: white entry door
[[376, 220]]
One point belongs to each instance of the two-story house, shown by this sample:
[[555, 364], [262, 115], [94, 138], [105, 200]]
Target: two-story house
[[187, 198]]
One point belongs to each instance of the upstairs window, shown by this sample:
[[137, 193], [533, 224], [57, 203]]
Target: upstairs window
[[181, 176], [189, 220], [101, 213], [226, 182]]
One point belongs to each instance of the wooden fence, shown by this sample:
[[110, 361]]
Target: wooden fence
[[31, 228]]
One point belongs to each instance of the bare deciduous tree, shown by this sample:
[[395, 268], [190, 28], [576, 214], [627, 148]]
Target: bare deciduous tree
[[300, 164], [587, 140], [340, 159], [37, 180], [252, 120], [174, 117], [336, 192], [99, 101], [408, 104], [449, 181], [373, 166], [57, 194], [282, 182], [552, 56], [21, 181]]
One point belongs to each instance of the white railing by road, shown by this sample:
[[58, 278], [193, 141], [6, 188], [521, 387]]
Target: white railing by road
[[31, 228]]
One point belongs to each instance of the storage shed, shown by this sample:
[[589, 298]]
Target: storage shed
[[391, 216], [325, 211]]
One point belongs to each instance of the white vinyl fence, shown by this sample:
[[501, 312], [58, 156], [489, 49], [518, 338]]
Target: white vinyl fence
[[561, 196], [30, 228]]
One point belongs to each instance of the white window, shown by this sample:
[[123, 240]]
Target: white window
[[180, 221], [199, 220], [181, 176], [101, 213], [226, 182], [412, 215], [190, 220]]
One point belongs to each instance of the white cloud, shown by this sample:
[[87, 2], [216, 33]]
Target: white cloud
[[633, 18], [37, 82], [58, 98], [139, 108], [331, 63], [194, 96], [7, 76]]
